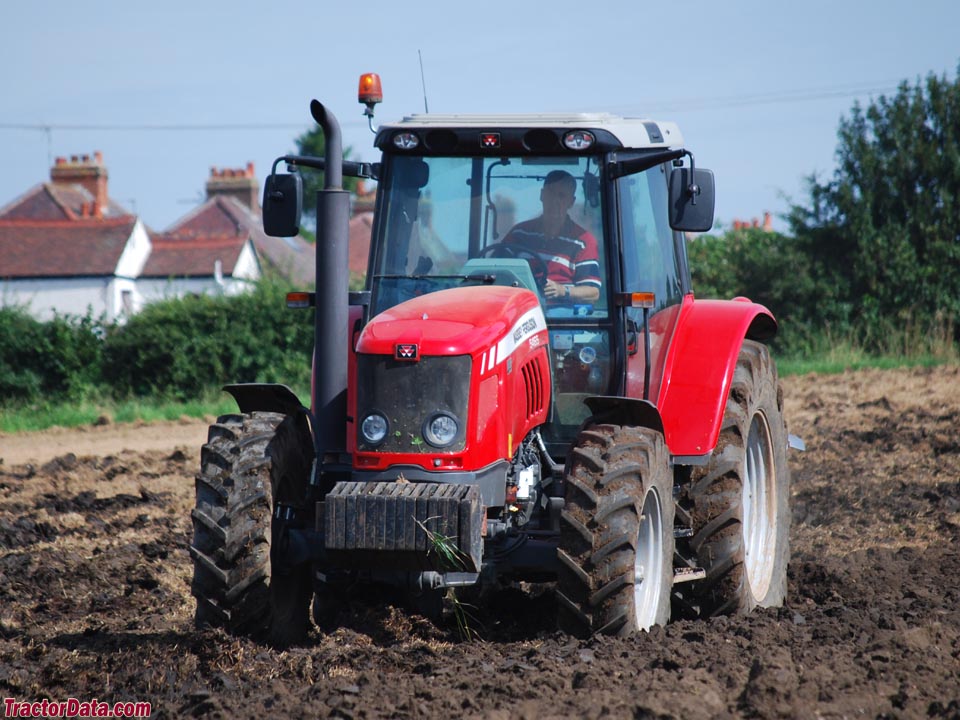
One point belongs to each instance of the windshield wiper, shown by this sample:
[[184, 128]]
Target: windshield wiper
[[485, 278]]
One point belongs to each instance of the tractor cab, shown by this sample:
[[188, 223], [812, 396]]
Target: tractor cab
[[574, 208]]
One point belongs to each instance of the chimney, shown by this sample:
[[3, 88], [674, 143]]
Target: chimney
[[240, 183], [90, 173], [767, 222]]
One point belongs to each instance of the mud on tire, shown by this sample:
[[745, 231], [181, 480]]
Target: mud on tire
[[249, 465], [616, 533], [740, 501]]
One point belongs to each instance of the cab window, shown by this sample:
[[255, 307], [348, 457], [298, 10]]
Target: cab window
[[446, 221]]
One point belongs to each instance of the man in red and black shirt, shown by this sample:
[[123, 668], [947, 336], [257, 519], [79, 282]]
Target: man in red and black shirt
[[568, 250]]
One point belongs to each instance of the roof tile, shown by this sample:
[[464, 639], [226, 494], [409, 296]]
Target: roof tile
[[65, 248], [178, 256], [222, 215]]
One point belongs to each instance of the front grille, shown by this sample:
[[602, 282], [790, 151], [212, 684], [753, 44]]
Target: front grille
[[533, 383], [407, 394]]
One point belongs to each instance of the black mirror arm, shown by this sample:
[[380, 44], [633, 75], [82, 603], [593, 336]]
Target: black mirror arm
[[276, 194], [620, 168], [350, 168], [692, 188]]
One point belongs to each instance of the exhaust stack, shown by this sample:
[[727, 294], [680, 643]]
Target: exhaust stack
[[329, 401]]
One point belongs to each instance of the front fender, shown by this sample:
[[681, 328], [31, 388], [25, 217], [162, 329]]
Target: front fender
[[272, 397], [699, 369], [624, 411], [265, 397]]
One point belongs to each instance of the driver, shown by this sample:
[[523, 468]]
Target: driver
[[568, 250]]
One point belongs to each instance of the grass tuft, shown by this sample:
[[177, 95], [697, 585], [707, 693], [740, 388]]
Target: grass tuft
[[451, 559]]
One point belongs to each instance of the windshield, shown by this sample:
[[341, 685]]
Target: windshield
[[532, 222]]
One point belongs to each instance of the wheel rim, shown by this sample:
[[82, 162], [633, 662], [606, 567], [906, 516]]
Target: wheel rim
[[759, 507], [648, 563]]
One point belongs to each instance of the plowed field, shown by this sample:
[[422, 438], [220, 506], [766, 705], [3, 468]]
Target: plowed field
[[95, 599]]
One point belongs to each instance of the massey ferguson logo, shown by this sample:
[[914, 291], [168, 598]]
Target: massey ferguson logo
[[407, 351], [490, 141], [528, 327]]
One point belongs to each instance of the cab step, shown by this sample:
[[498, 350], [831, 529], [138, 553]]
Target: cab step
[[682, 575]]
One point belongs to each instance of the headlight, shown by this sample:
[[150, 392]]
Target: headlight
[[374, 428], [441, 430]]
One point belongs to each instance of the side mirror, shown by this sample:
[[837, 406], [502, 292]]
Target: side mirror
[[692, 199], [282, 203]]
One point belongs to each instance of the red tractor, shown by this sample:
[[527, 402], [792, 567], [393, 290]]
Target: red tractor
[[526, 390]]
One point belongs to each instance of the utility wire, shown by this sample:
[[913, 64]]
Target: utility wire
[[678, 105], [47, 127], [774, 98]]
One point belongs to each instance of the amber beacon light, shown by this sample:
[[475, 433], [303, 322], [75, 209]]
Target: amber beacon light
[[370, 92]]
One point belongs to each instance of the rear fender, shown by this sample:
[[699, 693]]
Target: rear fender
[[699, 369]]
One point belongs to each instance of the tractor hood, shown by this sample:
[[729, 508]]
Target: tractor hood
[[458, 321]]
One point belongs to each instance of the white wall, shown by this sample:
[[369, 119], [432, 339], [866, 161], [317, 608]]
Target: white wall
[[151, 289], [71, 296], [248, 267], [105, 296], [136, 252]]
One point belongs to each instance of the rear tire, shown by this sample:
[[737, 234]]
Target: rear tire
[[616, 533], [740, 501], [250, 464]]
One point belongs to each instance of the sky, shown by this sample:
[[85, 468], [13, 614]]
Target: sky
[[167, 90]]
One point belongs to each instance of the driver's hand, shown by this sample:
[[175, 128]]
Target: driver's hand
[[553, 289]]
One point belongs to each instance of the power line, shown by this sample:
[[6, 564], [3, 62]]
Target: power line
[[769, 98], [189, 127], [677, 105]]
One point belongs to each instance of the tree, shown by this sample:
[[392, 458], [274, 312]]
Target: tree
[[312, 143], [887, 227]]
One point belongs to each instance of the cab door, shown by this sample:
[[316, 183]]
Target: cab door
[[650, 263]]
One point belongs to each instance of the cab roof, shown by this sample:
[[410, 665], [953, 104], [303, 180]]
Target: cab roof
[[636, 133]]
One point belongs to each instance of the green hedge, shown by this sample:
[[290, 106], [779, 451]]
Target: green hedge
[[60, 358], [180, 349], [174, 349]]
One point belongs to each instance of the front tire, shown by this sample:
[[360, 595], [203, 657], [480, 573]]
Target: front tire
[[250, 465], [740, 501], [616, 533]]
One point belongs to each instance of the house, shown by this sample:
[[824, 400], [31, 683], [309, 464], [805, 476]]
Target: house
[[66, 247], [360, 229], [232, 210], [766, 226]]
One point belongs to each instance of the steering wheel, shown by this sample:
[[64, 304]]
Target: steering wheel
[[512, 250]]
